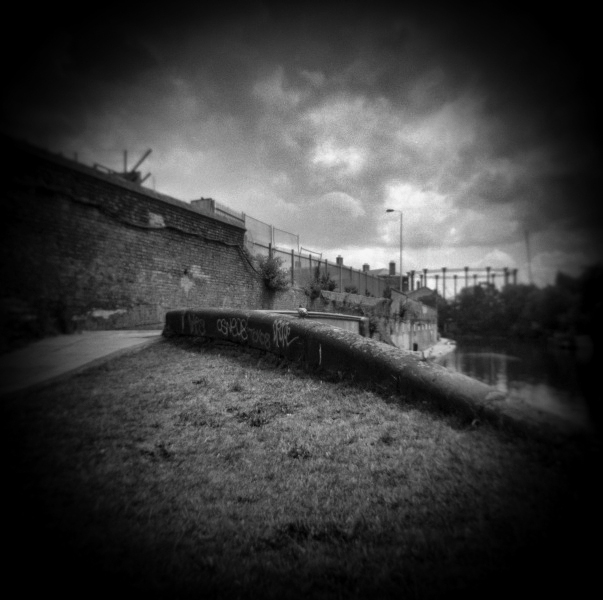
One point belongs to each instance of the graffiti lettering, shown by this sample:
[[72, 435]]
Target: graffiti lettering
[[281, 331], [238, 329], [196, 324], [234, 328], [259, 338], [222, 326]]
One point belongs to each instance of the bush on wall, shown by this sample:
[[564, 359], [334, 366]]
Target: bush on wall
[[321, 281], [275, 278]]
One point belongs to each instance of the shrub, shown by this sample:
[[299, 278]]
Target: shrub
[[274, 276], [321, 281]]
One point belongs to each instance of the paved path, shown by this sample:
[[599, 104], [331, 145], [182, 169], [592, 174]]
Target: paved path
[[61, 355]]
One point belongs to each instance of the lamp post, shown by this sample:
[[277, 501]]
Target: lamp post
[[389, 210]]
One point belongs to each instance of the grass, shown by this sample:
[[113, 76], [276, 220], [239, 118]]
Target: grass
[[208, 471]]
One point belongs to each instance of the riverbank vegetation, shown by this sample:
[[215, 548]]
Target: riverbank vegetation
[[572, 306], [207, 470]]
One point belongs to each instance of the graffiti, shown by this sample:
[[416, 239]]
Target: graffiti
[[196, 324], [222, 326], [281, 331], [259, 338], [234, 328]]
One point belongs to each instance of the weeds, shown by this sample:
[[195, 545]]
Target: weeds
[[320, 281]]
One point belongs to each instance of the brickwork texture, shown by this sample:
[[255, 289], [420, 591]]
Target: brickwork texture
[[84, 249]]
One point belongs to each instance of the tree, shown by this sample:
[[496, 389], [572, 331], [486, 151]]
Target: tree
[[571, 306], [479, 310], [520, 310]]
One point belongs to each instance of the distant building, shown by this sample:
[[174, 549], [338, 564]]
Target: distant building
[[390, 276], [421, 292]]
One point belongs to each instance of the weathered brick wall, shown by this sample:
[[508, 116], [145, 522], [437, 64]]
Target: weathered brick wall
[[83, 249]]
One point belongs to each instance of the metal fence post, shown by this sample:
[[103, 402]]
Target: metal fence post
[[292, 267]]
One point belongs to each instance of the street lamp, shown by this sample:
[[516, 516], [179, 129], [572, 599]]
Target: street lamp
[[394, 210]]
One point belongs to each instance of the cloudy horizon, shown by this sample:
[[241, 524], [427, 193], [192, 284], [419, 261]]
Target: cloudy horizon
[[480, 130]]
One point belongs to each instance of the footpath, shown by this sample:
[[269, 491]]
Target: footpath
[[64, 355]]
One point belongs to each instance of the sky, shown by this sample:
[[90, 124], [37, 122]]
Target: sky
[[482, 129]]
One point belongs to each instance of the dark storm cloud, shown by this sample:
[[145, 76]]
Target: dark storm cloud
[[60, 70], [527, 63], [537, 71], [482, 116]]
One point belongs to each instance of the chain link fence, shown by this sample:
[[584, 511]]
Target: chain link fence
[[301, 264], [303, 268], [265, 234]]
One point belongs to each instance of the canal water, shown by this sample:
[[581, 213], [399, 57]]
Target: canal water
[[548, 378]]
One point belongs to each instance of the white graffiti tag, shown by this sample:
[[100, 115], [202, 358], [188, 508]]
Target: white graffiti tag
[[259, 338], [222, 326], [281, 331], [234, 328], [196, 324]]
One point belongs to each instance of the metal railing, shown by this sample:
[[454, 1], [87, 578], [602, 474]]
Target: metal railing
[[302, 269], [259, 232], [301, 263]]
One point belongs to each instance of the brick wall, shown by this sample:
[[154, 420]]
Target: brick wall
[[84, 249]]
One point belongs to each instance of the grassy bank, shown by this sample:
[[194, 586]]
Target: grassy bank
[[210, 471]]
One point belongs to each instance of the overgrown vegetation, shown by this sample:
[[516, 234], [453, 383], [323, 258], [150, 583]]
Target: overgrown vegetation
[[190, 470], [320, 281], [275, 278], [571, 306]]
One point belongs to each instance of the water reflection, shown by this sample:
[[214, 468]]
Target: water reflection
[[546, 378]]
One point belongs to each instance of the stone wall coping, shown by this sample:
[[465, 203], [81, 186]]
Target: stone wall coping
[[317, 314], [326, 347]]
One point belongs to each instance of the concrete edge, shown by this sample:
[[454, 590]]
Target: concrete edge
[[77, 370], [325, 347]]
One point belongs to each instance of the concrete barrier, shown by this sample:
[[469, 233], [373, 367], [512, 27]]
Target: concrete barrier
[[351, 323], [326, 347]]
